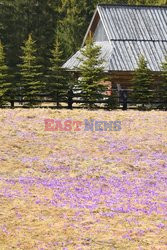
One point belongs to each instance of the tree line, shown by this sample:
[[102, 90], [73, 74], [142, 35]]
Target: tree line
[[30, 79], [46, 20], [37, 36], [89, 78]]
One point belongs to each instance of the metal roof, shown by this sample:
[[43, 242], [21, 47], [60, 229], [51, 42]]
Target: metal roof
[[106, 50], [132, 31], [124, 55], [134, 22]]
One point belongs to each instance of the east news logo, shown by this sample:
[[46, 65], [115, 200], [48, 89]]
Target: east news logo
[[86, 125]]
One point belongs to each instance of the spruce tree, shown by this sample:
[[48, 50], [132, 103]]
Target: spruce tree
[[31, 77], [73, 25], [57, 85], [162, 88], [5, 85], [112, 101], [92, 74], [142, 83]]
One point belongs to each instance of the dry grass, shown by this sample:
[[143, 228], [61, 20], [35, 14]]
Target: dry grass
[[83, 190]]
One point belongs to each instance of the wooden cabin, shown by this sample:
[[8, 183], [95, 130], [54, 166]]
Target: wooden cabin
[[124, 33]]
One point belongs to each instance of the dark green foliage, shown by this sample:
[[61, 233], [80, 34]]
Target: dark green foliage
[[92, 74], [5, 85], [22, 17], [45, 18], [57, 85], [142, 83], [68, 20], [30, 71], [72, 25], [40, 17], [112, 102]]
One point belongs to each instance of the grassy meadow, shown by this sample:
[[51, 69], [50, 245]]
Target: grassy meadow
[[83, 190]]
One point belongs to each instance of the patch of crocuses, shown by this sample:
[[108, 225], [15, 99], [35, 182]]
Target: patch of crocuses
[[83, 190]]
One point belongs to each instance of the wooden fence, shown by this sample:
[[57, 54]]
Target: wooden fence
[[74, 99]]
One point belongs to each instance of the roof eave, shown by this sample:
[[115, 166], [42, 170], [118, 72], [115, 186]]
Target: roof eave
[[133, 5]]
